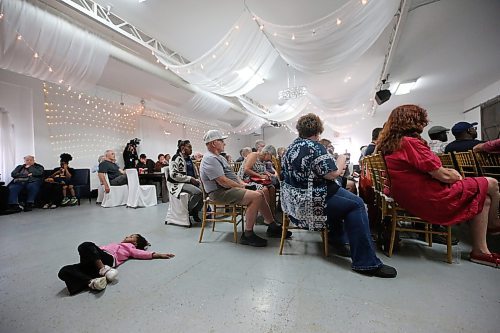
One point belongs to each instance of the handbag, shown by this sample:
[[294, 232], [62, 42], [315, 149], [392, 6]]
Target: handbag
[[261, 181]]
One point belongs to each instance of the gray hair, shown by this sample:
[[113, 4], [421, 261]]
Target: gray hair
[[245, 150], [259, 143], [269, 149]]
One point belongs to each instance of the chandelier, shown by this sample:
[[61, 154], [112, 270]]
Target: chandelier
[[291, 92]]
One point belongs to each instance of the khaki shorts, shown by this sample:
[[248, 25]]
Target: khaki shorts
[[229, 196]]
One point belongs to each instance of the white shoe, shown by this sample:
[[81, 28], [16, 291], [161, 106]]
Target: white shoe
[[98, 283], [111, 274]]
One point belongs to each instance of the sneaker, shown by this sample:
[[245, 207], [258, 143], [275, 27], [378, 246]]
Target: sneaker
[[253, 240], [73, 201], [53, 206], [46, 206], [111, 274], [15, 208], [65, 201], [276, 232], [28, 207], [195, 216], [492, 259], [98, 283], [383, 271]]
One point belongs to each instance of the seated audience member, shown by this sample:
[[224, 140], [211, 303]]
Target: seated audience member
[[342, 180], [492, 146], [465, 137], [167, 159], [311, 197], [160, 163], [116, 175], [439, 139], [259, 144], [370, 149], [55, 187], [222, 184], [97, 264], [145, 164], [182, 177], [281, 152], [26, 176], [442, 197], [95, 168], [243, 153], [197, 157], [253, 171]]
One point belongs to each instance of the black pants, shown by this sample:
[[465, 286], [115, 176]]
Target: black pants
[[78, 276], [51, 193]]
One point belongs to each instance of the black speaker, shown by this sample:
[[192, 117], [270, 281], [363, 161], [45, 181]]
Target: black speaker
[[382, 96]]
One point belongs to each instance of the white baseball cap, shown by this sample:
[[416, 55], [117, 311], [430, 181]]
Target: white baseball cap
[[213, 135]]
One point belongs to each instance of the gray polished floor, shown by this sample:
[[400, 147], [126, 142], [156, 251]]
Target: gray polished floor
[[218, 286]]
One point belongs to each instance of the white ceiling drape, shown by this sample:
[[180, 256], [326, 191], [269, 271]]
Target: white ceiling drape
[[234, 66], [39, 44], [279, 113], [334, 40]]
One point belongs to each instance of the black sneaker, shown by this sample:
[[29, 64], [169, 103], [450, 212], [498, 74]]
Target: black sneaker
[[253, 240], [383, 271], [14, 208], [196, 218], [28, 207], [276, 232]]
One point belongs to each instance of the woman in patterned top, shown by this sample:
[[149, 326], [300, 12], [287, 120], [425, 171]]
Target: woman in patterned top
[[312, 199]]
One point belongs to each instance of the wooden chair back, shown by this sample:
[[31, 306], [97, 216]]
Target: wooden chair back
[[466, 164], [489, 164]]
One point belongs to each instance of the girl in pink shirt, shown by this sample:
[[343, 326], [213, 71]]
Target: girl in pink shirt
[[95, 269]]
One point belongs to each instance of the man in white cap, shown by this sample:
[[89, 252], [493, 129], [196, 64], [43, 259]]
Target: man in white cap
[[223, 185], [439, 138]]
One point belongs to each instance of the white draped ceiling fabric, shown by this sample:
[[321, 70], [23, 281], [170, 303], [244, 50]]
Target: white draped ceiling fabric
[[39, 44], [243, 58]]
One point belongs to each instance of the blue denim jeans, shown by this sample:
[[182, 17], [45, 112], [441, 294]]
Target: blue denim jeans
[[351, 209], [32, 189]]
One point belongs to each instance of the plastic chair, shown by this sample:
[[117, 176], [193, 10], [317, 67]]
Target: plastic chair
[[117, 195], [178, 208]]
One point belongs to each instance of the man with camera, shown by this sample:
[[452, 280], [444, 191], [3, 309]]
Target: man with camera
[[130, 156], [223, 185], [116, 175]]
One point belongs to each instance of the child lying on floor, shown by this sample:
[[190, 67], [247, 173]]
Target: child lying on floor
[[96, 267]]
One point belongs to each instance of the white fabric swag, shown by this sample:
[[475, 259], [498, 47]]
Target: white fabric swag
[[334, 40], [75, 56], [234, 66], [287, 111]]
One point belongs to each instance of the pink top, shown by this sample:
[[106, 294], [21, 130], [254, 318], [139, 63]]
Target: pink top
[[492, 146], [123, 251]]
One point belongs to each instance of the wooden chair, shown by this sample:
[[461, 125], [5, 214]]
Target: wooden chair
[[447, 160], [221, 212], [236, 166], [466, 164], [285, 225], [401, 220], [489, 164]]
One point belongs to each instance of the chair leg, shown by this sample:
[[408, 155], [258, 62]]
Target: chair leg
[[324, 235], [235, 228], [393, 233], [448, 244], [203, 222], [284, 229], [428, 234]]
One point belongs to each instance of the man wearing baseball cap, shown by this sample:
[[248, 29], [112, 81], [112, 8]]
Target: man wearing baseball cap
[[439, 138], [465, 137], [223, 185]]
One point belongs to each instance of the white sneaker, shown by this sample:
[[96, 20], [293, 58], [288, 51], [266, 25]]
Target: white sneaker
[[111, 274], [98, 283]]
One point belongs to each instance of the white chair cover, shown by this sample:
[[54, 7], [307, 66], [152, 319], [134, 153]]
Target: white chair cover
[[178, 211], [100, 194], [117, 195], [139, 195]]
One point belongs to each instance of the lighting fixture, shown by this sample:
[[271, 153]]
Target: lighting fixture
[[405, 87], [291, 92]]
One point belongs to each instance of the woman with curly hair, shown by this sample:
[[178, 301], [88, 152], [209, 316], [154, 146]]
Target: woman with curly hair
[[312, 198], [442, 196]]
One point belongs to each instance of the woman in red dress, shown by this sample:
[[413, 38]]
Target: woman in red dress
[[421, 185]]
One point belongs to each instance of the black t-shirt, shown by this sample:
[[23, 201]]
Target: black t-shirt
[[461, 145], [61, 177], [110, 168]]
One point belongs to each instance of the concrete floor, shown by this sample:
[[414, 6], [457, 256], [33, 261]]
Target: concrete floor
[[218, 286]]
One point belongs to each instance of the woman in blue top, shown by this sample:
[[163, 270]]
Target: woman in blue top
[[311, 197]]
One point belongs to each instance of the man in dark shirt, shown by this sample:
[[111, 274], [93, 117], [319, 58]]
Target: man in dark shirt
[[116, 175], [145, 163], [465, 137], [370, 149], [25, 176]]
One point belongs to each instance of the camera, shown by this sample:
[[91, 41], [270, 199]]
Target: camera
[[135, 141]]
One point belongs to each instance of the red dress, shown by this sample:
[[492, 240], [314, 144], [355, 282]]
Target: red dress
[[416, 191]]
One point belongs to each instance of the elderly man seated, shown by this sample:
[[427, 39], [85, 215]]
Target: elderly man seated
[[25, 176], [222, 185], [116, 175]]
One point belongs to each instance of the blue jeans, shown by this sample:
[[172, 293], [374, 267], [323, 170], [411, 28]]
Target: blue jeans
[[32, 188], [351, 209]]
